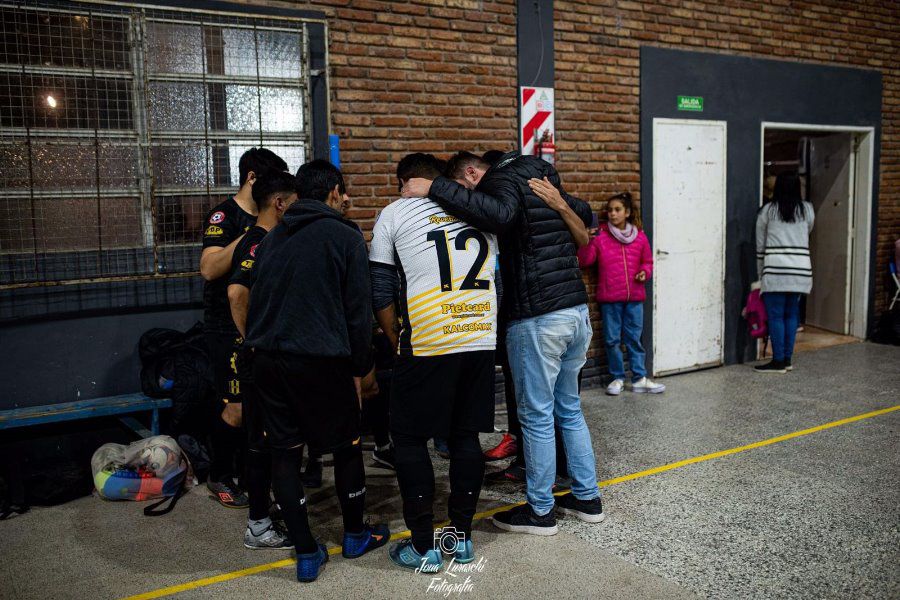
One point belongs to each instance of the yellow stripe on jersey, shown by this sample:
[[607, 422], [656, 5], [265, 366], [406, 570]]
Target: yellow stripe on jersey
[[444, 349], [446, 338], [437, 304], [412, 303]]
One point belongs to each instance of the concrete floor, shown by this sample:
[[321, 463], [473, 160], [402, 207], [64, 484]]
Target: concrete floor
[[813, 516]]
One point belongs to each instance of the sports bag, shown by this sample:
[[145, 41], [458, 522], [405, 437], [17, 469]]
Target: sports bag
[[147, 469]]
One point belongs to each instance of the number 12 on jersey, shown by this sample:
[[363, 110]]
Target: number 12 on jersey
[[442, 247]]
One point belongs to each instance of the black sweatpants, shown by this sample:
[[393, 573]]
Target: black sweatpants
[[349, 482], [415, 475]]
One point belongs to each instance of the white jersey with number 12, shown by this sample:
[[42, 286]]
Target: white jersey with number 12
[[448, 302]]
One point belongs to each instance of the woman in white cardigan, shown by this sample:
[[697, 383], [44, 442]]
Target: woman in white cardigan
[[782, 256]]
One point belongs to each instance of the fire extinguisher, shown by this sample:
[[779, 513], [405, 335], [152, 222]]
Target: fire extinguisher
[[545, 148]]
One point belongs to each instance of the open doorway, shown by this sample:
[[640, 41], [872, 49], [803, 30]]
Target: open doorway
[[835, 168]]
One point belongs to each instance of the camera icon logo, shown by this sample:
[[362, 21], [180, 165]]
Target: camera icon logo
[[447, 539]]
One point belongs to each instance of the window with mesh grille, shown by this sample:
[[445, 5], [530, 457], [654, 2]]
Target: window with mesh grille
[[121, 127]]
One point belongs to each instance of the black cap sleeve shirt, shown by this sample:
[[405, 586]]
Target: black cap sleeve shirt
[[225, 223]]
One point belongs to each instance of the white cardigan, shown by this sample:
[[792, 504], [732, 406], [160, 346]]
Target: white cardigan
[[782, 250]]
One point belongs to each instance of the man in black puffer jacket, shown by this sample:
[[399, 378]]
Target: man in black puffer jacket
[[545, 307]]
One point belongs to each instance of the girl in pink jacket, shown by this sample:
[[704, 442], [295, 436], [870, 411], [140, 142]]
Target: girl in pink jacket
[[624, 262]]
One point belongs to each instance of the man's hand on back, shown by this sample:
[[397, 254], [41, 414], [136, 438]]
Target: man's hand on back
[[416, 187], [548, 193]]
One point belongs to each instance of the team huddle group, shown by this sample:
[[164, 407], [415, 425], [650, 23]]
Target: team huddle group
[[476, 264]]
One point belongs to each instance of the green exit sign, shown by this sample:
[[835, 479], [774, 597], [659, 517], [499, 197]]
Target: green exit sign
[[694, 103]]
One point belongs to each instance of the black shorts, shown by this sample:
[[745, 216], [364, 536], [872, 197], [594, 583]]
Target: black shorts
[[222, 357], [434, 395], [306, 400]]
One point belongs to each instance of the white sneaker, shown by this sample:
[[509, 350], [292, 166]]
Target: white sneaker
[[646, 386], [615, 388]]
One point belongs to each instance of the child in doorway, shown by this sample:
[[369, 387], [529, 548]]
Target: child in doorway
[[624, 263]]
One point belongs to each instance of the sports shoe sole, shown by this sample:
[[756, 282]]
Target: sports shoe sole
[[646, 391], [582, 516], [530, 529], [489, 458], [772, 371], [235, 506], [246, 545], [609, 393]]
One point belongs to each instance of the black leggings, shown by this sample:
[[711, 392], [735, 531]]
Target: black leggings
[[415, 476], [349, 481]]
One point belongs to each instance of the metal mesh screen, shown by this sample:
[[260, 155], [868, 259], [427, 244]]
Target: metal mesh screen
[[120, 128]]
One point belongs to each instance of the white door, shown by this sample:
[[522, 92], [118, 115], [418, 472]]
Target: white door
[[830, 181], [689, 162]]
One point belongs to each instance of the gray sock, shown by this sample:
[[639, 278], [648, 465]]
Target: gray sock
[[259, 527]]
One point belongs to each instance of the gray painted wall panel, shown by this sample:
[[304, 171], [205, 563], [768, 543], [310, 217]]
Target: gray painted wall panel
[[745, 92], [78, 358]]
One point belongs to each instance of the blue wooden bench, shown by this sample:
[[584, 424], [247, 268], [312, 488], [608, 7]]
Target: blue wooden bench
[[86, 409]]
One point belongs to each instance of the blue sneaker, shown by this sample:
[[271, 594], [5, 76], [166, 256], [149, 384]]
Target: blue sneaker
[[465, 552], [309, 564], [405, 555], [370, 538]]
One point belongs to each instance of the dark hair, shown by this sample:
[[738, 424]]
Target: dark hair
[[787, 197], [317, 178], [492, 157], [634, 216], [271, 183], [419, 164], [259, 160], [456, 166]]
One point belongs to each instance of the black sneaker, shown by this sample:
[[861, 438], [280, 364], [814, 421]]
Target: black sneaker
[[522, 519], [774, 366], [385, 458], [788, 366], [228, 494], [589, 511], [514, 473], [312, 476]]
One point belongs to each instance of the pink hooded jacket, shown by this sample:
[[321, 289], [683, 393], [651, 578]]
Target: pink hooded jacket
[[617, 265]]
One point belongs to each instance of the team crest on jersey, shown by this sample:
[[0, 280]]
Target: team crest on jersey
[[213, 230], [253, 250], [217, 217], [247, 264]]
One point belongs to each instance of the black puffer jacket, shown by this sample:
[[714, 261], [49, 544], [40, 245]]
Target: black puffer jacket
[[538, 261]]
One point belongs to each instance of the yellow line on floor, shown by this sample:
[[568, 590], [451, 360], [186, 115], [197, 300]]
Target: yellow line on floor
[[183, 587]]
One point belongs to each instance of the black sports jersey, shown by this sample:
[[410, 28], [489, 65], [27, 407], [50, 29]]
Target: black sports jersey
[[245, 255], [225, 223]]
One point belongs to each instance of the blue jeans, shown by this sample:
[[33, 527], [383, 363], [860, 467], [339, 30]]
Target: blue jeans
[[624, 322], [545, 355], [783, 314]]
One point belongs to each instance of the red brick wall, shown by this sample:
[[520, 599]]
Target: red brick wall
[[422, 76]]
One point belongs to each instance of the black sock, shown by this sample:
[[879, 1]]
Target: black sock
[[466, 475], [350, 483], [289, 494], [259, 480], [415, 477], [226, 441]]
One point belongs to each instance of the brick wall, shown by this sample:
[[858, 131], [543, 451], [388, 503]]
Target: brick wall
[[421, 76], [440, 75]]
